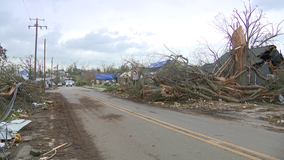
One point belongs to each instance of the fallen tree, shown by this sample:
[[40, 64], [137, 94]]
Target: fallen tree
[[180, 81]]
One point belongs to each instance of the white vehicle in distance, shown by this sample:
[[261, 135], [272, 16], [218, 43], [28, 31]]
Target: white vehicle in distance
[[68, 83]]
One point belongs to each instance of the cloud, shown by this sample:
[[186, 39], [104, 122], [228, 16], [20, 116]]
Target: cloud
[[105, 42], [276, 5], [15, 36]]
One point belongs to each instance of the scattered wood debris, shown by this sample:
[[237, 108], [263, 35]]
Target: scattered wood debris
[[179, 81]]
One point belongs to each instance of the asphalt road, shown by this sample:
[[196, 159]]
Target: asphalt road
[[126, 130]]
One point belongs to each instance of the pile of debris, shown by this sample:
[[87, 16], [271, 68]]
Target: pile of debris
[[179, 81], [26, 93], [17, 101]]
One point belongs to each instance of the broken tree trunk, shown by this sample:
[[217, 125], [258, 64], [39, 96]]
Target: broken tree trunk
[[240, 52]]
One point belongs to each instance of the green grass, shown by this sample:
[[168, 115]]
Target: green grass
[[13, 115]]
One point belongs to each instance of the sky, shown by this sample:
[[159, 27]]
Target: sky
[[92, 33]]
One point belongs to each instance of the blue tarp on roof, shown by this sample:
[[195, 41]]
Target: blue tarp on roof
[[103, 77], [100, 76], [158, 64], [114, 75], [24, 73]]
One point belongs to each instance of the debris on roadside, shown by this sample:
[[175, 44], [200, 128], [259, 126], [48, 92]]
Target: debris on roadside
[[275, 119], [20, 100], [9, 129]]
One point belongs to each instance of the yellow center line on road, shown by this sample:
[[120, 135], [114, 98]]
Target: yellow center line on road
[[207, 139]]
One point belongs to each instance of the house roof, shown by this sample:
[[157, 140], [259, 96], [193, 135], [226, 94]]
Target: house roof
[[126, 74], [158, 64], [103, 76], [155, 67]]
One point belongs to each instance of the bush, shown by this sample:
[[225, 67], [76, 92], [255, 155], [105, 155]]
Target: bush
[[80, 81]]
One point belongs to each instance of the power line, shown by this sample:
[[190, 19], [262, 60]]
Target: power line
[[26, 9], [41, 12], [34, 8]]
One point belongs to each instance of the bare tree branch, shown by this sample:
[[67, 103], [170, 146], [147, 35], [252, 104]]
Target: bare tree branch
[[257, 33]]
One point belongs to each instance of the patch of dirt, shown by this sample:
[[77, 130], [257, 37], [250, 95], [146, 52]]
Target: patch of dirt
[[112, 117], [55, 125], [87, 103]]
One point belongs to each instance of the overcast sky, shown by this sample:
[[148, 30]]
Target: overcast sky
[[92, 32]]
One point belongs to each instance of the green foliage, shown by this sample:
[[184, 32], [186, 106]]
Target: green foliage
[[72, 69], [111, 88], [275, 84], [79, 81], [134, 89]]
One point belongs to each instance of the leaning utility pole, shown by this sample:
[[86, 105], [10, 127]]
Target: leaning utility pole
[[36, 26], [44, 65]]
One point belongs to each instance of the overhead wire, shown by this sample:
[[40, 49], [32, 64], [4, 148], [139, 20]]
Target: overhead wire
[[27, 10], [34, 7], [41, 12]]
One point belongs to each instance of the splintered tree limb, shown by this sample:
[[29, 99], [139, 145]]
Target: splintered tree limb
[[257, 92], [161, 80], [231, 80], [247, 92], [231, 99], [236, 76], [223, 67], [224, 81], [195, 93], [230, 70], [258, 74], [156, 80], [212, 85], [9, 93]]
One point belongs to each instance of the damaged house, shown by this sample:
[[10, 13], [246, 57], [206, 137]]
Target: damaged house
[[266, 60], [234, 77]]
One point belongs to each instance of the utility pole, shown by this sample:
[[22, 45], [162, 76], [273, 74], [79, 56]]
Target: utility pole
[[44, 52], [36, 26], [51, 71], [58, 73]]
